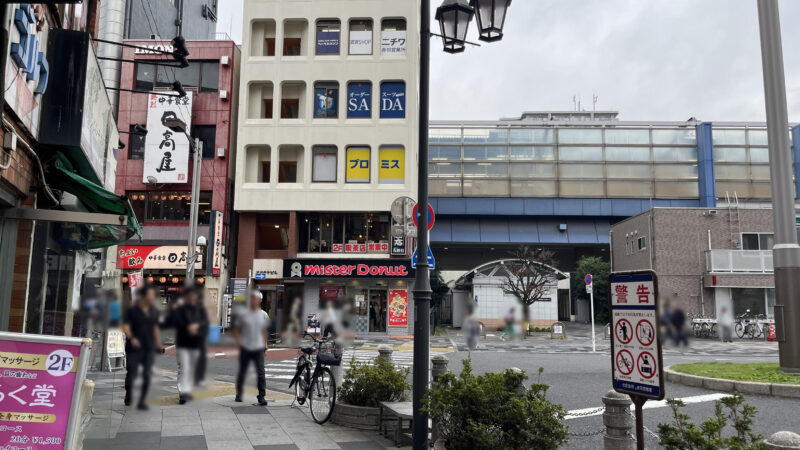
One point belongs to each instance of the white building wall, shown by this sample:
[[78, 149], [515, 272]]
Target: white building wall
[[493, 304]]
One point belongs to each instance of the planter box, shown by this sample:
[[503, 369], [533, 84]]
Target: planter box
[[359, 417]]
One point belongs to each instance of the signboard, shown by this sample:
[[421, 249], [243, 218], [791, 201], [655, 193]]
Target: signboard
[[393, 42], [155, 257], [636, 362], [215, 247], [154, 49], [402, 224], [398, 308], [166, 152], [357, 170], [355, 268], [369, 247], [393, 100], [325, 102], [431, 216], [588, 279], [359, 100], [334, 293], [431, 261], [40, 390], [392, 169], [115, 345], [267, 269], [328, 42], [135, 280], [361, 42], [239, 289], [589, 289]]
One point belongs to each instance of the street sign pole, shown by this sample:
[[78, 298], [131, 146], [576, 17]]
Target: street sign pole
[[591, 300]]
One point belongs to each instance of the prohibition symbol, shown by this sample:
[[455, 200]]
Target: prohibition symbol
[[645, 332], [647, 365], [624, 331], [625, 362]]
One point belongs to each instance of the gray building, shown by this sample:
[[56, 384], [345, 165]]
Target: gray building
[[193, 19], [705, 258]]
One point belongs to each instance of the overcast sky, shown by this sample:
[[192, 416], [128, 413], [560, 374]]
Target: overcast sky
[[647, 59]]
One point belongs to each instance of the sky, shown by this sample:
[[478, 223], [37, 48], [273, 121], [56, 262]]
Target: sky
[[647, 59]]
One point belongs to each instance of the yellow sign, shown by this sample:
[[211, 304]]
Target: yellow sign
[[392, 169], [358, 165], [27, 417], [28, 361]]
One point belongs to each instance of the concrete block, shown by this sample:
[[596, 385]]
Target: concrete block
[[716, 384], [747, 387], [690, 380], [782, 440], [786, 390]]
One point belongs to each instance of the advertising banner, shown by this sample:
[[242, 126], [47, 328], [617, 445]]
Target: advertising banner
[[155, 257], [393, 42], [359, 100], [239, 290], [357, 165], [392, 169], [328, 42], [135, 280], [361, 42], [325, 102], [215, 246], [40, 380], [166, 152], [398, 308], [115, 346], [393, 100], [350, 268]]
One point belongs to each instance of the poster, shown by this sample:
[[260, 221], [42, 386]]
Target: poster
[[359, 100], [393, 100], [392, 169], [166, 152], [398, 308], [328, 42], [325, 102], [37, 387], [115, 347], [361, 42], [239, 290], [357, 170], [393, 42], [135, 280]]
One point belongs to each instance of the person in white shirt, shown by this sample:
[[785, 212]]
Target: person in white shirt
[[250, 331]]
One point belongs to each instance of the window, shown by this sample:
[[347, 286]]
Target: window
[[642, 243], [293, 95], [168, 206], [145, 77], [136, 147], [328, 37], [209, 77], [359, 100], [290, 166], [324, 164], [358, 167], [208, 136], [393, 37], [758, 241], [200, 75], [361, 37], [290, 108], [326, 99], [392, 169], [580, 136], [393, 100], [294, 32], [262, 40], [344, 233]]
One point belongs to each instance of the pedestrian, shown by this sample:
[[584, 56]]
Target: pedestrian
[[250, 331], [142, 341], [331, 321], [295, 314], [191, 325], [509, 329], [678, 322], [202, 361], [725, 321], [472, 328]]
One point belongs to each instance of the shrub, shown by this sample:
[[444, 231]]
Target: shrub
[[368, 385], [683, 434], [494, 411]]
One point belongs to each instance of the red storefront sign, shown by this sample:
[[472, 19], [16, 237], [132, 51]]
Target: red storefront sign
[[154, 257]]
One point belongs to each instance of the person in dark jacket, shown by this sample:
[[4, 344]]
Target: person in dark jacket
[[191, 325], [142, 341]]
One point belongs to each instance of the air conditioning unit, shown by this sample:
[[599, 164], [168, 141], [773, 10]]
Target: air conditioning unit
[[220, 152], [225, 60], [223, 95]]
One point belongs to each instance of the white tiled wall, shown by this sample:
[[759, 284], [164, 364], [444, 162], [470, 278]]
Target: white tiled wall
[[493, 303]]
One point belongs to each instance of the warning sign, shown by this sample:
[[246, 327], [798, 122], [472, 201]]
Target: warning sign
[[636, 363]]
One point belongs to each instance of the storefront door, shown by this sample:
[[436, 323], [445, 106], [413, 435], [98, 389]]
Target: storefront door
[[377, 311]]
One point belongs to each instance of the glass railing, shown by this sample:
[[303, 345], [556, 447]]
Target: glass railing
[[754, 261]]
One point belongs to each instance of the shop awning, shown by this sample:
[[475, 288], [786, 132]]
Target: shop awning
[[96, 199]]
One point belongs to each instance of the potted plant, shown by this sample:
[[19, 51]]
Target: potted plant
[[363, 388]]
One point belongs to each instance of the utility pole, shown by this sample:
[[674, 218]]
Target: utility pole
[[191, 248], [786, 252]]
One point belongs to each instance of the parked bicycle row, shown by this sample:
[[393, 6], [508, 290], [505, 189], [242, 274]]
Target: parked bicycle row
[[744, 326]]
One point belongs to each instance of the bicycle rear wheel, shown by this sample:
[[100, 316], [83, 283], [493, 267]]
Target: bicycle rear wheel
[[300, 390], [322, 397], [739, 329]]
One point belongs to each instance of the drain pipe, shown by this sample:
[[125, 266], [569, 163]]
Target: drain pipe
[[111, 27]]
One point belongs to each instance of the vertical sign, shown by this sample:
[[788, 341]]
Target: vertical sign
[[166, 152], [398, 308], [239, 290], [636, 363], [41, 381], [393, 100], [402, 224], [135, 280], [393, 42], [392, 169], [359, 100], [215, 235], [357, 170]]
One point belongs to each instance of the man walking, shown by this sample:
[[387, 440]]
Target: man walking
[[191, 324], [142, 340], [250, 332]]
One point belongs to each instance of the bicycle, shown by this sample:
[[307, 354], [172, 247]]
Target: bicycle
[[317, 386], [742, 324]]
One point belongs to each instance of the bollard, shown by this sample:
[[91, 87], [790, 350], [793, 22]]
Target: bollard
[[783, 440], [385, 352], [438, 368], [618, 421]]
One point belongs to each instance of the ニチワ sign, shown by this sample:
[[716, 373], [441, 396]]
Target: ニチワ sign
[[636, 362]]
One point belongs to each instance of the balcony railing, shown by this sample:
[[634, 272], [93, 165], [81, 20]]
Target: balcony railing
[[752, 261]]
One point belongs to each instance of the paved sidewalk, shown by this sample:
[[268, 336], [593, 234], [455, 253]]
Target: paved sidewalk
[[212, 421]]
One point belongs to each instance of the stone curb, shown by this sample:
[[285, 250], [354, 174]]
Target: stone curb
[[744, 387]]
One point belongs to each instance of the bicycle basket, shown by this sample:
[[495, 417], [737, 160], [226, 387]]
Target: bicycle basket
[[330, 354]]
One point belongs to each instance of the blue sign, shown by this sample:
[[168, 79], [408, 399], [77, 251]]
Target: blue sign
[[393, 100], [328, 42], [431, 261], [25, 53], [359, 100], [325, 102], [588, 278]]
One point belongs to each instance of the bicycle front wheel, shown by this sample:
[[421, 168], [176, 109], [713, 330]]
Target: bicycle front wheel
[[322, 397], [739, 330]]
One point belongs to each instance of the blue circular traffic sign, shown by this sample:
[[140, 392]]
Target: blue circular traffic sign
[[588, 278]]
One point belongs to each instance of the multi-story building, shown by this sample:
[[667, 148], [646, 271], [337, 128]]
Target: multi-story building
[[326, 142], [160, 197], [163, 19]]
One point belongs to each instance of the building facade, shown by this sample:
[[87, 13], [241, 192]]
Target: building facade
[[327, 141], [160, 191], [705, 258], [165, 19]]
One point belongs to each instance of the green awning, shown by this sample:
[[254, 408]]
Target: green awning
[[96, 199]]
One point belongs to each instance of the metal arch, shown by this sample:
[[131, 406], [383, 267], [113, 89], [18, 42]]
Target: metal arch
[[499, 262]]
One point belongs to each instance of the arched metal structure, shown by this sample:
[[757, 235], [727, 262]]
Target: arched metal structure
[[491, 268]]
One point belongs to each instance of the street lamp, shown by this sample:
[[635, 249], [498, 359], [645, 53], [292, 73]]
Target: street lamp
[[491, 15], [453, 17]]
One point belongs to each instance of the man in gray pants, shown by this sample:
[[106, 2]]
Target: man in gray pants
[[250, 331]]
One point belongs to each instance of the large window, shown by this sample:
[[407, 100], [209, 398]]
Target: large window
[[326, 100], [359, 100], [393, 100], [393, 37], [200, 75], [757, 241], [323, 168], [208, 136], [328, 35], [136, 147], [164, 206], [360, 37], [344, 233]]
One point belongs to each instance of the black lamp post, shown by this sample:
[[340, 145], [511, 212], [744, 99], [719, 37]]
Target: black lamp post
[[453, 17]]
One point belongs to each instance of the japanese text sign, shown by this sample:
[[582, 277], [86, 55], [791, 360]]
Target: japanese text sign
[[166, 152], [393, 100], [393, 42], [215, 248], [328, 42], [359, 100], [155, 257], [38, 382], [392, 169], [357, 170], [398, 308], [636, 362]]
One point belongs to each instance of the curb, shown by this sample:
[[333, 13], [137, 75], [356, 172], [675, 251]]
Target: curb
[[744, 387]]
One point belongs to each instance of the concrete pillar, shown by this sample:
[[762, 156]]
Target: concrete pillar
[[783, 440], [385, 352], [618, 421], [438, 368]]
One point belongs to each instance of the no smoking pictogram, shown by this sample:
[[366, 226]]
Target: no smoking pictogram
[[646, 365], [645, 332], [624, 362], [624, 331]]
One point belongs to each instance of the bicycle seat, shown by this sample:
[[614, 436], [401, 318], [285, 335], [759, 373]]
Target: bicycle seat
[[308, 350]]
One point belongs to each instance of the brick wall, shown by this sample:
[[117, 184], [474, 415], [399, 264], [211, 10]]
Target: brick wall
[[19, 176], [19, 288]]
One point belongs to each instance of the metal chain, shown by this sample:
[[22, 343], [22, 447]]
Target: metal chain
[[588, 434], [587, 413], [646, 430]]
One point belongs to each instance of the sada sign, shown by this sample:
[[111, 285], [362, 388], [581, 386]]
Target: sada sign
[[393, 100]]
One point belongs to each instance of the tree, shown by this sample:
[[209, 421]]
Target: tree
[[527, 277], [600, 271], [438, 287]]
